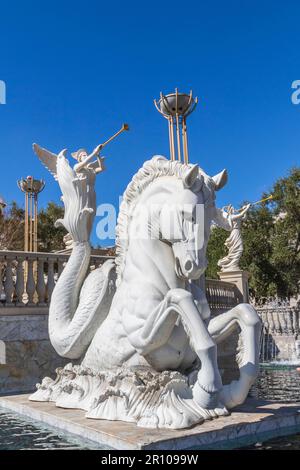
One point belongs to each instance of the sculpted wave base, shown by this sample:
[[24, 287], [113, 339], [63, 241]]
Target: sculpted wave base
[[143, 396]]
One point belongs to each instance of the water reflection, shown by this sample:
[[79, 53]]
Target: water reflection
[[22, 434], [278, 443], [279, 383]]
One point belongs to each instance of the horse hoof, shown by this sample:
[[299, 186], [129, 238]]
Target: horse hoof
[[207, 400], [221, 411]]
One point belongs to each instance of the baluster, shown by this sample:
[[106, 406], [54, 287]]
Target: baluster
[[297, 320], [61, 265], [50, 282], [30, 285], [264, 318], [289, 321], [8, 283], [216, 297], [2, 288], [271, 322], [283, 321], [40, 286], [294, 321], [20, 281], [277, 329]]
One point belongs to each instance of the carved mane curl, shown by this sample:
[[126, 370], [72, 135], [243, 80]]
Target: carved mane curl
[[152, 169]]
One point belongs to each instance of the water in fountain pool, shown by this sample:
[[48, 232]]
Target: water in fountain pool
[[278, 443], [21, 433], [276, 382], [279, 382]]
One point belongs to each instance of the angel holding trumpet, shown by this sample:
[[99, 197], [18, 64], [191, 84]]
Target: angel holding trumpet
[[82, 157], [234, 243], [77, 183]]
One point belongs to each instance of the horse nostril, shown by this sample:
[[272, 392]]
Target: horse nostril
[[188, 266]]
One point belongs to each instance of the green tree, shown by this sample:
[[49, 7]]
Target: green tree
[[286, 234], [271, 236], [12, 228], [50, 238], [257, 231], [215, 251]]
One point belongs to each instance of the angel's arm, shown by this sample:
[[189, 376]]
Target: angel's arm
[[222, 219], [242, 213], [94, 153], [98, 165]]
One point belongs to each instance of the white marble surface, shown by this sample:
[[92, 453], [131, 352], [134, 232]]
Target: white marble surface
[[27, 352], [142, 343], [23, 327], [247, 421]]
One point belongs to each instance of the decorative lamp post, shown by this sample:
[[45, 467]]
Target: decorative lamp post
[[176, 107], [31, 188]]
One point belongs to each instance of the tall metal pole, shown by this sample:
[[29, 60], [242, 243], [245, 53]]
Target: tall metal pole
[[171, 139], [26, 224], [35, 240], [30, 222], [178, 137], [31, 188], [184, 139]]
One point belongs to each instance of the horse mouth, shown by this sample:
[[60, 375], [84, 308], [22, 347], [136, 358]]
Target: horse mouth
[[178, 269]]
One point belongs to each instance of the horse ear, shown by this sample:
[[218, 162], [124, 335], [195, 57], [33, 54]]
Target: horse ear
[[190, 176], [220, 179]]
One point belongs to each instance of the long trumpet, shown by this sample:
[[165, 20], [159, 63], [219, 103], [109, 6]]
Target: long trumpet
[[125, 127], [263, 200], [257, 202]]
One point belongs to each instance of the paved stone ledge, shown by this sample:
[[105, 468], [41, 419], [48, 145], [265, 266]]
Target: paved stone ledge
[[246, 424]]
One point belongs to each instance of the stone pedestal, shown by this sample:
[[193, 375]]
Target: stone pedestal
[[240, 279], [26, 354], [227, 350], [251, 422]]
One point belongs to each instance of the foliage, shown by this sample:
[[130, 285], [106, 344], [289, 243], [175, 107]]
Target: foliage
[[271, 236], [12, 228], [215, 251], [50, 238]]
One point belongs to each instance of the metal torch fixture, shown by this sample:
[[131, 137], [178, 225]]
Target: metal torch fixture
[[31, 188], [176, 107]]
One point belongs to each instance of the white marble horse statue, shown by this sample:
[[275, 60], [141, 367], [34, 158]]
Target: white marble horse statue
[[139, 328]]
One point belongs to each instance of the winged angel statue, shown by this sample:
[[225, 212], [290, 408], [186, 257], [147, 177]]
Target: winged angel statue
[[139, 327]]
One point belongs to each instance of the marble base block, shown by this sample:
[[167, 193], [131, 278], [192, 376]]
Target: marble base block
[[249, 423]]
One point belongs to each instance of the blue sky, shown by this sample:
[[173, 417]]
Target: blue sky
[[75, 71]]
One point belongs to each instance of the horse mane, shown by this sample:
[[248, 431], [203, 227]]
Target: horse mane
[[152, 169]]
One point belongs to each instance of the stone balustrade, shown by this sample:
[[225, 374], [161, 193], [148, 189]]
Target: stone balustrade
[[280, 320], [221, 295], [280, 335], [27, 279]]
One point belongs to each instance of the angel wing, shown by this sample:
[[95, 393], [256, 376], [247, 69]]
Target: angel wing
[[48, 159]]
